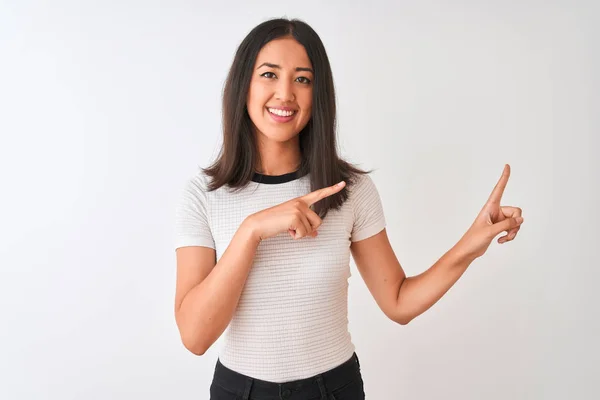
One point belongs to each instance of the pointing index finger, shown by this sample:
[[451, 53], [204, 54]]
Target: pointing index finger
[[320, 194], [498, 191]]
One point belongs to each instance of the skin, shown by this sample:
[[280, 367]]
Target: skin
[[276, 82], [404, 298], [208, 292]]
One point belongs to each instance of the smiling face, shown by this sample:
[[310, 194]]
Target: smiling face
[[280, 95]]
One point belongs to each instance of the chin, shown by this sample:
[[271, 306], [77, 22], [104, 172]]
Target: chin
[[280, 137]]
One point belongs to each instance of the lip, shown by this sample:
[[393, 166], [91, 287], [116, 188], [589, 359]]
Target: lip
[[283, 108], [280, 119]]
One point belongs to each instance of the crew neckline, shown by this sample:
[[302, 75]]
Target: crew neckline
[[276, 179]]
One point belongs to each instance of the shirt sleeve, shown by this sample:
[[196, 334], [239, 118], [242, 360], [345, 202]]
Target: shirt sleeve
[[192, 218], [369, 218]]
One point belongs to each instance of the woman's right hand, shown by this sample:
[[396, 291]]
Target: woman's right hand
[[293, 216]]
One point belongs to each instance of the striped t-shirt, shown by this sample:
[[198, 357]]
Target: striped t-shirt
[[291, 321]]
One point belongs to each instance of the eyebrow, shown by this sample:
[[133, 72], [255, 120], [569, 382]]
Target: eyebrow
[[279, 67]]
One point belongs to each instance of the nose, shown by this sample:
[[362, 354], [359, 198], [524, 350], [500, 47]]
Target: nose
[[284, 91]]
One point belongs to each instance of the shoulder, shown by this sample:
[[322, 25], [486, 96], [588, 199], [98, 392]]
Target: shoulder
[[192, 219], [360, 185], [197, 183], [363, 194], [367, 208], [194, 191]]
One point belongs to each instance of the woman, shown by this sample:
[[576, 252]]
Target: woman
[[264, 235]]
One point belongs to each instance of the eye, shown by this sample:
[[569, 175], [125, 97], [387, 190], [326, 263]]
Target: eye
[[304, 80], [269, 75]]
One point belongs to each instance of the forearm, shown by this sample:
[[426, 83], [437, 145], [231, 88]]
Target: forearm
[[208, 308], [418, 293]]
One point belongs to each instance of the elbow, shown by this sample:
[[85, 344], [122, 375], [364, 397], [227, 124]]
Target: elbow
[[195, 347], [398, 318], [191, 336], [198, 351], [193, 341], [402, 318], [400, 314]]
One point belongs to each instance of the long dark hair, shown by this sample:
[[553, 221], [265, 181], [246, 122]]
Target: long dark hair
[[235, 165]]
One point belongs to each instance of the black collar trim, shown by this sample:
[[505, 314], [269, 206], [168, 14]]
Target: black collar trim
[[275, 179]]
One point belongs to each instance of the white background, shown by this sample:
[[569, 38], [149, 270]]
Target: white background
[[108, 107]]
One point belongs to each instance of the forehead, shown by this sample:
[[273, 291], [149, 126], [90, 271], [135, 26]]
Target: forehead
[[286, 52]]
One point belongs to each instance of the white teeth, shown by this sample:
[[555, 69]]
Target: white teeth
[[281, 113]]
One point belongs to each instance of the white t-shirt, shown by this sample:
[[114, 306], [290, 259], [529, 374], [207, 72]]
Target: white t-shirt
[[291, 321]]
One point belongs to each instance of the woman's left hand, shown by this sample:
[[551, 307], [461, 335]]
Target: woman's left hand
[[491, 221]]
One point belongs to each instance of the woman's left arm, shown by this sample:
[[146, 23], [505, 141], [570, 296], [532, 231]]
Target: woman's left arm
[[403, 298]]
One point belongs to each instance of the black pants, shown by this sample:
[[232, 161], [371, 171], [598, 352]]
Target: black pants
[[343, 382]]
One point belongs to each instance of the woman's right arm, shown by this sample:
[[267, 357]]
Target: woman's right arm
[[208, 293]]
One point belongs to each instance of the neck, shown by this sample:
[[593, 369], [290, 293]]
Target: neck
[[278, 158]]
